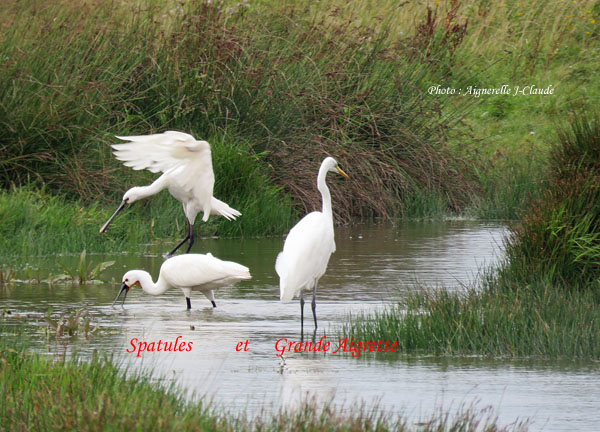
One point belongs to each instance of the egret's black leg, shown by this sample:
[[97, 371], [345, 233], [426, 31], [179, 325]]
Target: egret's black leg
[[314, 304], [190, 235], [301, 316], [189, 303], [213, 303]]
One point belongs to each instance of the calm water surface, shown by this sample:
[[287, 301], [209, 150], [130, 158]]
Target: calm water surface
[[373, 266]]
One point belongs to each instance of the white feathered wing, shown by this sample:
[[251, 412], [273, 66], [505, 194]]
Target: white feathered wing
[[184, 160], [168, 152], [202, 271]]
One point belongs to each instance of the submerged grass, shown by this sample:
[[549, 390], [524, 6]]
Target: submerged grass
[[39, 394]]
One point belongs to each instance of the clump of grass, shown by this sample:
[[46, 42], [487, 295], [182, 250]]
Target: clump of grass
[[366, 105], [84, 272], [77, 323], [241, 175], [29, 274], [7, 275], [98, 396], [502, 320], [558, 237]]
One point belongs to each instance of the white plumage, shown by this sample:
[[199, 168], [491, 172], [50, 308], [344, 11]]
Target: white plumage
[[187, 170], [308, 247], [305, 255], [190, 272], [169, 152]]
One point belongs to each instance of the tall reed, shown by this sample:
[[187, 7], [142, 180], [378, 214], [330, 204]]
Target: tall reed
[[559, 236], [293, 86]]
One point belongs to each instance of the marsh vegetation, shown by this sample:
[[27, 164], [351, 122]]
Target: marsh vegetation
[[274, 88]]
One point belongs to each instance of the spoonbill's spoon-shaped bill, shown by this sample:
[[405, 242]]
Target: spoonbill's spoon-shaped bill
[[119, 209]]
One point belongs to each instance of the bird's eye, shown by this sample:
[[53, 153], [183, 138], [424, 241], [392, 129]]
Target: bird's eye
[[126, 280]]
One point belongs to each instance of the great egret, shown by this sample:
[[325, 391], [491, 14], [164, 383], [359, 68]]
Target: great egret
[[187, 272], [307, 248], [187, 173]]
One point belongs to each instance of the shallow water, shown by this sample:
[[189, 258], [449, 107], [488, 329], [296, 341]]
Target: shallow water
[[372, 266]]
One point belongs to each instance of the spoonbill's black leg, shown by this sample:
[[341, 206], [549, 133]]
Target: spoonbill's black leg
[[189, 303], [213, 303], [189, 236]]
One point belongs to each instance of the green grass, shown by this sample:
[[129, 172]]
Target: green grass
[[543, 300], [278, 87], [241, 180], [501, 319], [295, 83], [292, 94], [558, 237], [37, 393], [36, 222]]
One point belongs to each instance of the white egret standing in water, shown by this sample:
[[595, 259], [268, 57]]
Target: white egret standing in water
[[187, 272], [188, 175], [307, 248]]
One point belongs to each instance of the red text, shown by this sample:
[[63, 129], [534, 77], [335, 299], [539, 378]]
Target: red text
[[242, 346], [344, 345], [161, 345]]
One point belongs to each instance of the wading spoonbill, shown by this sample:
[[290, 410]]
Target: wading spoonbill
[[190, 272], [188, 175], [307, 248]]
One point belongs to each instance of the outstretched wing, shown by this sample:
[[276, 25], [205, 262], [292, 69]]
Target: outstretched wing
[[169, 152], [192, 270]]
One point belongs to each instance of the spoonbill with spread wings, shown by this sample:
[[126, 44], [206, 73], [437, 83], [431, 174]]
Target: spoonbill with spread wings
[[188, 175]]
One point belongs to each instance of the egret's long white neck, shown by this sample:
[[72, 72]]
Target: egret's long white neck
[[158, 288], [325, 194]]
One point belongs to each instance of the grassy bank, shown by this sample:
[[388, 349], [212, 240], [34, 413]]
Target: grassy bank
[[500, 319], [559, 237], [543, 300], [39, 394]]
